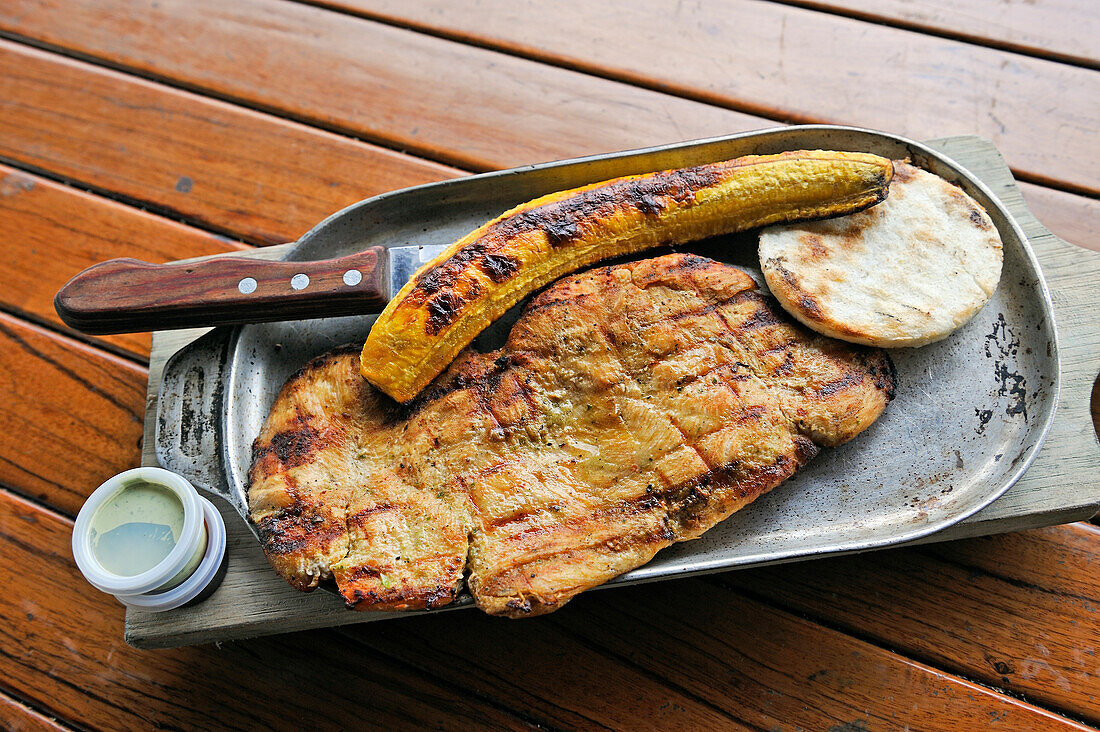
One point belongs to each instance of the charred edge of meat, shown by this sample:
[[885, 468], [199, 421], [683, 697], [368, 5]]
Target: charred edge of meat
[[296, 527], [293, 446], [848, 380], [805, 450], [404, 598], [481, 381], [314, 364], [687, 263], [687, 501], [880, 367]]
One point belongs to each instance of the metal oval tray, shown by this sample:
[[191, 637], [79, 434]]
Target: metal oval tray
[[970, 415]]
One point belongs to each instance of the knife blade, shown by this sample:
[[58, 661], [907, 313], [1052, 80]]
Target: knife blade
[[128, 295]]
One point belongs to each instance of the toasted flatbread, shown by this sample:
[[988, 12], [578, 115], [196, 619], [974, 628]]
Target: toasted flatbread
[[906, 272]]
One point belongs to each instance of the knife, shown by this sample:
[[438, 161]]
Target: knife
[[128, 295]]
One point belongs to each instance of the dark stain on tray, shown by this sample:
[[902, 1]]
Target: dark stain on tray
[[1002, 346]]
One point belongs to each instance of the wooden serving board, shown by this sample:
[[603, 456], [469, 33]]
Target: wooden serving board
[[1062, 485]]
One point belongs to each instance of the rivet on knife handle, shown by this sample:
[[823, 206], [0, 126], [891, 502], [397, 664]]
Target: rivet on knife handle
[[128, 295]]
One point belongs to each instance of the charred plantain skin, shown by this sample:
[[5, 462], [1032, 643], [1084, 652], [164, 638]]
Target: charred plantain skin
[[455, 296]]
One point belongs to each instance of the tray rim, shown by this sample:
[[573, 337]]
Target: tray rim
[[638, 575]]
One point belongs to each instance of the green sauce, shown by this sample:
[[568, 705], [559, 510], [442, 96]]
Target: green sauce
[[136, 528]]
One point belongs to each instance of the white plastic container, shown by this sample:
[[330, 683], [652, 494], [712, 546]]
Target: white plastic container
[[190, 569]]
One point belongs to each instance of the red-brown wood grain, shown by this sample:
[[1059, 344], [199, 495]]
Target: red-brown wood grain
[[1055, 29], [761, 666], [448, 101], [1015, 611], [539, 667], [63, 650], [703, 657], [794, 64], [258, 177], [51, 231], [72, 415], [18, 717], [283, 177]]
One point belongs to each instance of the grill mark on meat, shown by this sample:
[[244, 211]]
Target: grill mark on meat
[[632, 506], [847, 381], [293, 446], [622, 543], [685, 440], [358, 516], [287, 531]]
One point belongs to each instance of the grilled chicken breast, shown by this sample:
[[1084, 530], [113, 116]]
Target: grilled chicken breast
[[631, 407]]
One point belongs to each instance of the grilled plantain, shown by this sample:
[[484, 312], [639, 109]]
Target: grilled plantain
[[455, 296]]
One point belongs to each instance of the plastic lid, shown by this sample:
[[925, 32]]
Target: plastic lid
[[177, 559], [197, 582]]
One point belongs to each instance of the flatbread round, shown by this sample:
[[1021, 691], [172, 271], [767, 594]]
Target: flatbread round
[[906, 272]]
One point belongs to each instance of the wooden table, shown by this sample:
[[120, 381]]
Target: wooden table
[[181, 128]]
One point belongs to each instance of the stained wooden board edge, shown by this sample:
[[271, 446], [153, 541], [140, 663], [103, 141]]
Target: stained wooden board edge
[[1058, 488]]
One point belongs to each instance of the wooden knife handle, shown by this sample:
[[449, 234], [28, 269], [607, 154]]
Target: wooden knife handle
[[128, 295]]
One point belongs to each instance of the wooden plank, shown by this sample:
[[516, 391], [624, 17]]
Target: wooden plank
[[51, 231], [798, 65], [537, 666], [1062, 30], [258, 177], [72, 414], [1015, 611], [17, 717], [447, 101], [1060, 487], [761, 666], [1073, 218], [931, 688], [64, 651]]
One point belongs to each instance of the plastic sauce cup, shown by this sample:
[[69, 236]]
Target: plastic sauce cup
[[188, 573]]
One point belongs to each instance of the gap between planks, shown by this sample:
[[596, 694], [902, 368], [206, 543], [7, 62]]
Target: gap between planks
[[1051, 47], [19, 715], [889, 14]]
